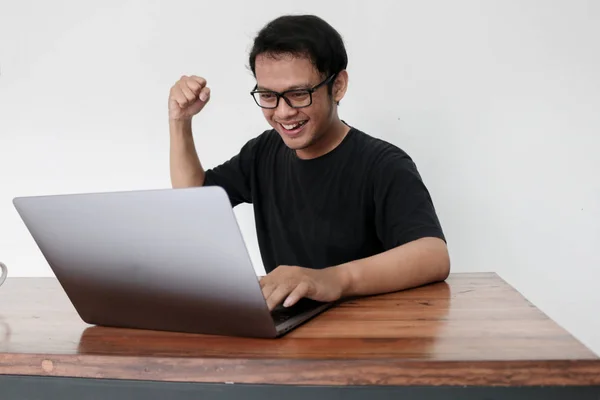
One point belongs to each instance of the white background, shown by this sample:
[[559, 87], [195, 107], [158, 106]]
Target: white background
[[498, 102]]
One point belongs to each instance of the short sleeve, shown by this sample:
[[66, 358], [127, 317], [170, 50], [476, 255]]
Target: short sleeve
[[404, 210], [234, 175]]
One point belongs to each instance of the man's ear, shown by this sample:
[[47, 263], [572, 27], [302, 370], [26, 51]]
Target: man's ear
[[340, 85]]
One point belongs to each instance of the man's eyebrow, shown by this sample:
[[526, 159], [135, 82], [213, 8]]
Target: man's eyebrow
[[302, 86]]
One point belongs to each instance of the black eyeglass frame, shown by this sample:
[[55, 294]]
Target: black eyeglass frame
[[279, 95]]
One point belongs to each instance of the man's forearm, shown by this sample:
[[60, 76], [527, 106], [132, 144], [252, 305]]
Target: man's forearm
[[185, 166], [414, 264]]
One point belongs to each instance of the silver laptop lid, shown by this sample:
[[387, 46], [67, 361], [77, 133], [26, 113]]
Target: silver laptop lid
[[169, 259]]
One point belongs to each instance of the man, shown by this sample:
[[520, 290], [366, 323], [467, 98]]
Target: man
[[338, 213]]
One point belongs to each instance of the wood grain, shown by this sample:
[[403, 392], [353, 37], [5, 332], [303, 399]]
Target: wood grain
[[473, 329]]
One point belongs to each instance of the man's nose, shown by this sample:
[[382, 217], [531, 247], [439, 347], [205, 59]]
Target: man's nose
[[284, 110]]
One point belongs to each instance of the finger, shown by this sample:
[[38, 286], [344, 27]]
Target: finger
[[201, 81], [194, 86], [267, 290], [205, 94], [179, 98], [269, 279], [263, 281], [189, 94], [301, 291], [277, 296]]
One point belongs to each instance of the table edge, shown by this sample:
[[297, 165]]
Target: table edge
[[387, 372]]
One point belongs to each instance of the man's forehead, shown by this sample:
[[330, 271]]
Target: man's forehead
[[284, 72], [280, 86]]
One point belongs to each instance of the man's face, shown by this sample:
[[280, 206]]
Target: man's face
[[300, 128]]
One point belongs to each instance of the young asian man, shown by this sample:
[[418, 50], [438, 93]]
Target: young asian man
[[338, 212]]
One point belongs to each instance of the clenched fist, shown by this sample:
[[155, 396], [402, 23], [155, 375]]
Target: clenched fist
[[188, 97]]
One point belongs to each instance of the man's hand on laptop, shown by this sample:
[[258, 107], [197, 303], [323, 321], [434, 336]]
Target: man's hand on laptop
[[288, 284]]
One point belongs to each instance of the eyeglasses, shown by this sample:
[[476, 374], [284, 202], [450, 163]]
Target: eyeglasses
[[295, 98]]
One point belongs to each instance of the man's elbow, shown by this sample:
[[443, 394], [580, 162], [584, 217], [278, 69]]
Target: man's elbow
[[444, 268], [442, 264], [438, 260]]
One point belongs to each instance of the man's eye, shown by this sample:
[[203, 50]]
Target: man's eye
[[267, 96], [299, 95]]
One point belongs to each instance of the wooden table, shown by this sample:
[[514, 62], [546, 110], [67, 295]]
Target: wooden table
[[472, 336]]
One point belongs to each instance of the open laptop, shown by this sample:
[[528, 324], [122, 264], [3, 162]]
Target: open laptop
[[167, 259]]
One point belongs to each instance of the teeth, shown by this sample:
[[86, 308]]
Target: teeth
[[292, 127]]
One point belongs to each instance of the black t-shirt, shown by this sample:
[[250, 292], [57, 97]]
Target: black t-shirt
[[364, 197]]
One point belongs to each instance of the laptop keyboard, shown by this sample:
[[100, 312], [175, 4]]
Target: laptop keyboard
[[281, 314]]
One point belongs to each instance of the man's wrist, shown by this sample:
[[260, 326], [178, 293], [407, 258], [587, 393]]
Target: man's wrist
[[180, 126], [344, 276]]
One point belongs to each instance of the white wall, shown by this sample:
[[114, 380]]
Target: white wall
[[498, 102]]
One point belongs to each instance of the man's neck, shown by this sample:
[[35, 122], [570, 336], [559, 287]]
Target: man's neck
[[326, 143]]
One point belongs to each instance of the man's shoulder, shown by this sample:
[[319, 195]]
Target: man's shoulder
[[385, 163], [379, 153]]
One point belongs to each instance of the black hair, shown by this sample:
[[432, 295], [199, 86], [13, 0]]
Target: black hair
[[302, 35]]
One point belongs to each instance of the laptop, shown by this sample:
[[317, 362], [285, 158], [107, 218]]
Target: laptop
[[166, 259]]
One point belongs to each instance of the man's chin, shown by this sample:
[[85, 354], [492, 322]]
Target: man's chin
[[294, 142]]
